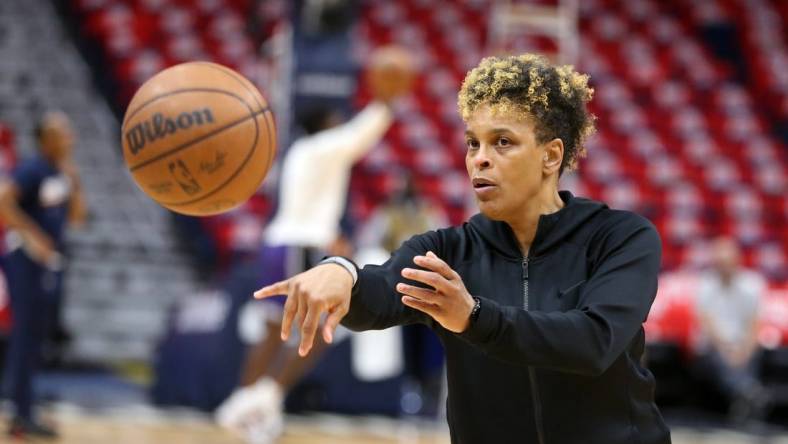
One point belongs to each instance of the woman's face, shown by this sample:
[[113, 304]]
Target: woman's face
[[504, 162]]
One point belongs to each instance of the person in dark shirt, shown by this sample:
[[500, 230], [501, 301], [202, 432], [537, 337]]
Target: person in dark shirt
[[539, 300], [37, 201]]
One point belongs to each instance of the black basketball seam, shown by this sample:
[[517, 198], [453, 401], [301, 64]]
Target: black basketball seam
[[196, 140], [271, 149], [271, 144], [232, 176], [239, 79], [259, 181], [268, 129], [235, 77]]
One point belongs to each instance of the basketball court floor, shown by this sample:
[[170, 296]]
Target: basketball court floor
[[146, 425], [104, 409]]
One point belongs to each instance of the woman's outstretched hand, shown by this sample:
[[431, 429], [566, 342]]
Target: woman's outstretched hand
[[324, 289]]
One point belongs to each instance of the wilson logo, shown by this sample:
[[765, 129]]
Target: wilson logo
[[159, 127]]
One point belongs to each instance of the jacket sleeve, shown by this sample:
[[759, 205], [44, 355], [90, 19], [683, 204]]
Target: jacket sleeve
[[375, 303], [586, 340]]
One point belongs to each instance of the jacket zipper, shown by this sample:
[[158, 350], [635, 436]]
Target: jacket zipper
[[531, 374]]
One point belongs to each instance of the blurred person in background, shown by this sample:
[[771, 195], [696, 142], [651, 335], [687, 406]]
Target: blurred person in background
[[38, 200], [727, 308], [404, 215], [312, 191]]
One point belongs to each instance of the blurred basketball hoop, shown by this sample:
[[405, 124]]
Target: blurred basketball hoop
[[548, 28]]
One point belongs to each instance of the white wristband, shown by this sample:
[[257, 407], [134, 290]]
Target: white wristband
[[346, 264]]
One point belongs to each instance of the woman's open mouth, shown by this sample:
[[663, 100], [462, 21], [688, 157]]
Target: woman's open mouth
[[483, 187]]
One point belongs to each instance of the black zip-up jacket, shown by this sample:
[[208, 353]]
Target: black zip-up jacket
[[554, 355]]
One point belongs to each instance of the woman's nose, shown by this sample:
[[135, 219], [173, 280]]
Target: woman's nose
[[481, 159]]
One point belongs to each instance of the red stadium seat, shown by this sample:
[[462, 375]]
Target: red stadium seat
[[8, 155]]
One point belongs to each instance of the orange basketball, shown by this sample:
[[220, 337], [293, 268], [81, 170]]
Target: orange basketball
[[198, 138], [391, 71]]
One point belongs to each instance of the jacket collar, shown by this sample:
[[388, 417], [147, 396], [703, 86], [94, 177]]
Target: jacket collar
[[551, 229]]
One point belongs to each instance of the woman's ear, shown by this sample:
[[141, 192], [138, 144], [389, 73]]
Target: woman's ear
[[553, 156]]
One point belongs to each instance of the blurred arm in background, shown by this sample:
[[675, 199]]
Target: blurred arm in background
[[39, 244], [77, 209]]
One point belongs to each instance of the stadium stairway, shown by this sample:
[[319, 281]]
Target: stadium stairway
[[125, 267]]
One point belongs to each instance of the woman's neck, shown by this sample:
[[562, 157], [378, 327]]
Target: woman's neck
[[527, 220]]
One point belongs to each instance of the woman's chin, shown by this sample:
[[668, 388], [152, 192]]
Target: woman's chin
[[491, 211]]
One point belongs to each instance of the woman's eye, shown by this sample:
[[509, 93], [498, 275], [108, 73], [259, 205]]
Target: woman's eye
[[503, 141], [472, 144]]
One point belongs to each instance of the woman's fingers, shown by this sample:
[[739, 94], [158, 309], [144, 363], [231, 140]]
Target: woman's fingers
[[430, 309], [436, 264], [418, 293], [289, 312], [430, 278], [276, 289], [332, 321], [309, 327]]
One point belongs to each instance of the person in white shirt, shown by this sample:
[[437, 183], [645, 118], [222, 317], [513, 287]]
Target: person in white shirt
[[306, 227], [316, 172], [727, 309]]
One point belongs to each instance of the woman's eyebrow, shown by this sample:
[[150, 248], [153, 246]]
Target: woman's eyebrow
[[495, 131]]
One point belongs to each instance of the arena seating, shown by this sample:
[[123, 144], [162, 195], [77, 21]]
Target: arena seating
[[141, 37], [682, 138], [127, 246], [692, 106], [7, 148], [679, 139], [138, 38]]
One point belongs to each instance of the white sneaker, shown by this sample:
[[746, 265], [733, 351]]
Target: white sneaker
[[254, 413]]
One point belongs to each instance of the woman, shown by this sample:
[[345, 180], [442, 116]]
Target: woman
[[538, 300]]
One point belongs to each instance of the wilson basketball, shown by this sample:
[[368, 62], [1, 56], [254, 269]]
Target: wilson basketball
[[198, 138]]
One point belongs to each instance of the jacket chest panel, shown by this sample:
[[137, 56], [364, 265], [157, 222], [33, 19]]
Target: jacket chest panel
[[493, 277], [556, 281]]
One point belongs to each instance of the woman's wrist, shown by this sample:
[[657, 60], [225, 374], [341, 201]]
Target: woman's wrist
[[344, 263]]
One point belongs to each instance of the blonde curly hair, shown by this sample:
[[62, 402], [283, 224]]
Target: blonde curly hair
[[556, 97]]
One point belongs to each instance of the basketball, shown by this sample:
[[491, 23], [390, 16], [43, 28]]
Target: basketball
[[391, 71], [198, 138]]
